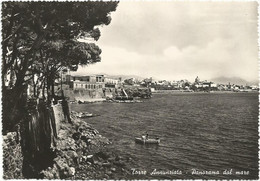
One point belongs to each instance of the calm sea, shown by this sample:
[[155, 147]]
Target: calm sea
[[199, 132]]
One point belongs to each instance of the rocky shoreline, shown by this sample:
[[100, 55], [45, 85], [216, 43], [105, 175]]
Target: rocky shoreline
[[80, 153], [109, 101], [12, 157]]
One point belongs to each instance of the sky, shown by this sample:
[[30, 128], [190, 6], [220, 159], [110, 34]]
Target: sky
[[180, 40]]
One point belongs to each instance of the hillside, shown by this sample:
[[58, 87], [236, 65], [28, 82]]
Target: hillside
[[233, 80]]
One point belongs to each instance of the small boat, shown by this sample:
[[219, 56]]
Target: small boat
[[84, 115], [123, 98], [147, 141]]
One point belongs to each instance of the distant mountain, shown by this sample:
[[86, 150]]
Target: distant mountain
[[233, 80], [125, 76]]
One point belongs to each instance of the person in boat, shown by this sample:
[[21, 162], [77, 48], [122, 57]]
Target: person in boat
[[143, 137]]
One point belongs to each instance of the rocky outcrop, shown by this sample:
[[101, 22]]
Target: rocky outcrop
[[12, 157], [81, 153]]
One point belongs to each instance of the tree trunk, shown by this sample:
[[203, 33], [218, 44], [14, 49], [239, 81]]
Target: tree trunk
[[52, 89]]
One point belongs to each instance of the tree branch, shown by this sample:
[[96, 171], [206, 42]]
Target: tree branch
[[11, 35]]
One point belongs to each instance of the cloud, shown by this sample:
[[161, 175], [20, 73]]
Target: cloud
[[150, 27], [180, 40], [219, 57]]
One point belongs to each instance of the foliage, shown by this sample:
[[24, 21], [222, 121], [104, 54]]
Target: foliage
[[139, 92], [39, 39], [129, 81]]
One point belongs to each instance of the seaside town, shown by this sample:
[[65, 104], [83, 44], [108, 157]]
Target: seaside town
[[100, 87], [59, 125]]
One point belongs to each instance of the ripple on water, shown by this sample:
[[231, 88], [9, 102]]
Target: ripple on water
[[202, 131]]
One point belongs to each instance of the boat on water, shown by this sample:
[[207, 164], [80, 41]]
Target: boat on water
[[84, 115], [147, 141], [124, 98]]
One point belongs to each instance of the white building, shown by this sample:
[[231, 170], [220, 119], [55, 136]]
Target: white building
[[86, 85]]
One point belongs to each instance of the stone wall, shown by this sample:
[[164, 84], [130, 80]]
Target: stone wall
[[58, 115], [83, 95]]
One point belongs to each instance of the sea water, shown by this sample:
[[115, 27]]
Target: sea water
[[203, 135]]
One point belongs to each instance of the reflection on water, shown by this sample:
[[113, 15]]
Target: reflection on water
[[197, 131]]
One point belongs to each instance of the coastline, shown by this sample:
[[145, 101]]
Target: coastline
[[80, 153], [83, 153], [198, 92], [204, 118]]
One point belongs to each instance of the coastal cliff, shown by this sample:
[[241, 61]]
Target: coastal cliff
[[81, 152]]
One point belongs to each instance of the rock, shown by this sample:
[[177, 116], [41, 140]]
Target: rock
[[95, 132], [56, 175], [109, 173], [83, 158], [62, 133], [106, 176], [71, 171], [72, 154], [66, 173], [85, 138], [90, 158], [61, 163], [49, 176], [83, 144], [76, 136], [69, 143], [9, 136]]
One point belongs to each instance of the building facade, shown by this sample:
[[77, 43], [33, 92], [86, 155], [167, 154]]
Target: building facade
[[93, 82], [90, 82]]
